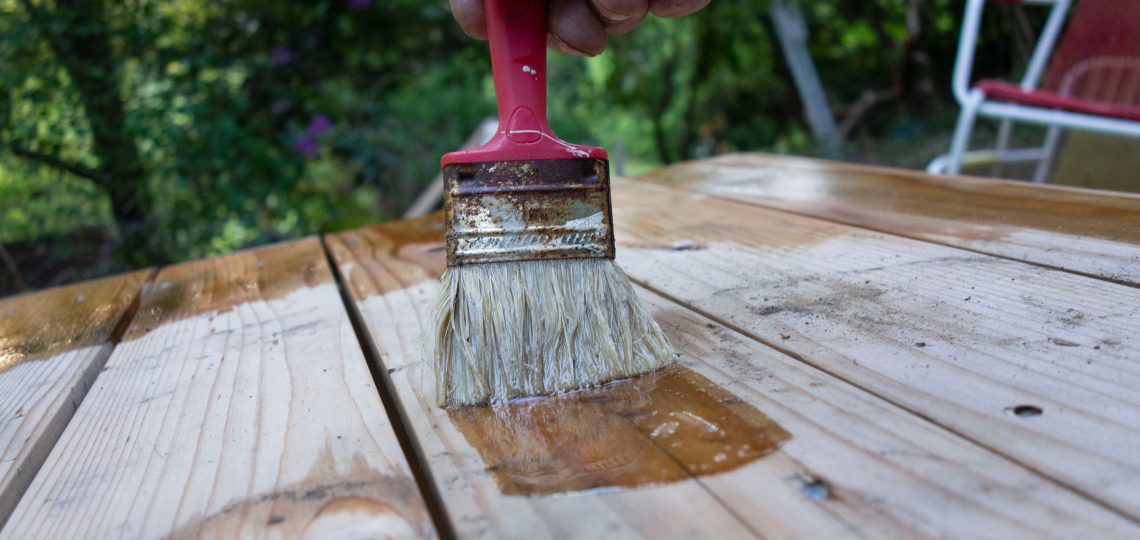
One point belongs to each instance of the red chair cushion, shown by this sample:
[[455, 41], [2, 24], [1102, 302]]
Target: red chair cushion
[[1012, 93], [1098, 28]]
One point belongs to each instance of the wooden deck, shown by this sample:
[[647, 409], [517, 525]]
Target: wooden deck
[[864, 352]]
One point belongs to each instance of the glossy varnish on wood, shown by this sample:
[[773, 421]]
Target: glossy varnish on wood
[[1091, 232], [960, 338], [853, 465], [187, 290], [37, 326], [665, 426], [240, 405], [52, 345]]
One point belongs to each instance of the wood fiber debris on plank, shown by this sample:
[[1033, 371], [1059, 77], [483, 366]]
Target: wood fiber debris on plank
[[1090, 232], [850, 465], [52, 344], [961, 338], [238, 404]]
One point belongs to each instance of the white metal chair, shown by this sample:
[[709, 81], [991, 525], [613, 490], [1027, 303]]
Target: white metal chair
[[1093, 83]]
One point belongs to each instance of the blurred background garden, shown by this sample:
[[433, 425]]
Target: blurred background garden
[[144, 132]]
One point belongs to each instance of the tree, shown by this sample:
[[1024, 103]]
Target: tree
[[211, 125], [77, 34]]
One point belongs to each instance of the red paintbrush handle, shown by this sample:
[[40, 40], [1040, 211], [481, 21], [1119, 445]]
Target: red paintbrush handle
[[516, 30]]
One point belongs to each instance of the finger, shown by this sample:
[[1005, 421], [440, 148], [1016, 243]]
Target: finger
[[575, 29], [469, 15], [620, 16], [668, 9]]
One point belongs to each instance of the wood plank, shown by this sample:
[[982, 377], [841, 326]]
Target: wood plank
[[860, 466], [854, 465], [52, 345], [392, 273], [238, 404], [964, 339], [1090, 232]]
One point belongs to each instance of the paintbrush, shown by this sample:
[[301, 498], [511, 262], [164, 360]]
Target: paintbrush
[[532, 302]]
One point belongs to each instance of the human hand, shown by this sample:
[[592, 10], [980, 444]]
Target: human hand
[[580, 26]]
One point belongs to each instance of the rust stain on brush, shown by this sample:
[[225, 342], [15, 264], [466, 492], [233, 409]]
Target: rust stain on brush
[[41, 325], [501, 211], [219, 284], [665, 426]]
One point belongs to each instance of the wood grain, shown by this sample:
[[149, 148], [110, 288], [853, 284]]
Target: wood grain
[[52, 345], [239, 404], [858, 466], [392, 272], [1090, 232], [854, 466], [964, 339]]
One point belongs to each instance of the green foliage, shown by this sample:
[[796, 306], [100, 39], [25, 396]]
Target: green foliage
[[219, 98], [682, 88], [258, 120], [41, 201]]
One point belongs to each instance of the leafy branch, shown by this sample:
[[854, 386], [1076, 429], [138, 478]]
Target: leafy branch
[[57, 163]]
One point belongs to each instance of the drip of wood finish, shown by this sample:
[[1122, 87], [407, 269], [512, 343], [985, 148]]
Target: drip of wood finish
[[665, 426]]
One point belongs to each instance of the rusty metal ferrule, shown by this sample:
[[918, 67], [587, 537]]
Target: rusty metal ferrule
[[503, 211]]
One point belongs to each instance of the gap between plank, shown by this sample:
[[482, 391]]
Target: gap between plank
[[78, 393], [822, 368], [397, 417], [802, 213], [128, 315]]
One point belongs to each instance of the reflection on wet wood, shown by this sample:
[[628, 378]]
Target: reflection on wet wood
[[1091, 232], [241, 406], [41, 325], [262, 274], [52, 345], [662, 427]]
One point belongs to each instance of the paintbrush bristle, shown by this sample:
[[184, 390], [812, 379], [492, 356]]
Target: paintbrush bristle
[[530, 328]]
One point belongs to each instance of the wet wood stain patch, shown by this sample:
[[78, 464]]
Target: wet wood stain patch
[[392, 256], [40, 325], [219, 284], [662, 427]]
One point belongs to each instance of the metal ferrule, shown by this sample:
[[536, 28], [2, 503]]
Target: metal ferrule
[[528, 210]]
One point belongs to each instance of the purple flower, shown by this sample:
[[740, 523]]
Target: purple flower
[[306, 146], [319, 124], [359, 5], [280, 55]]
